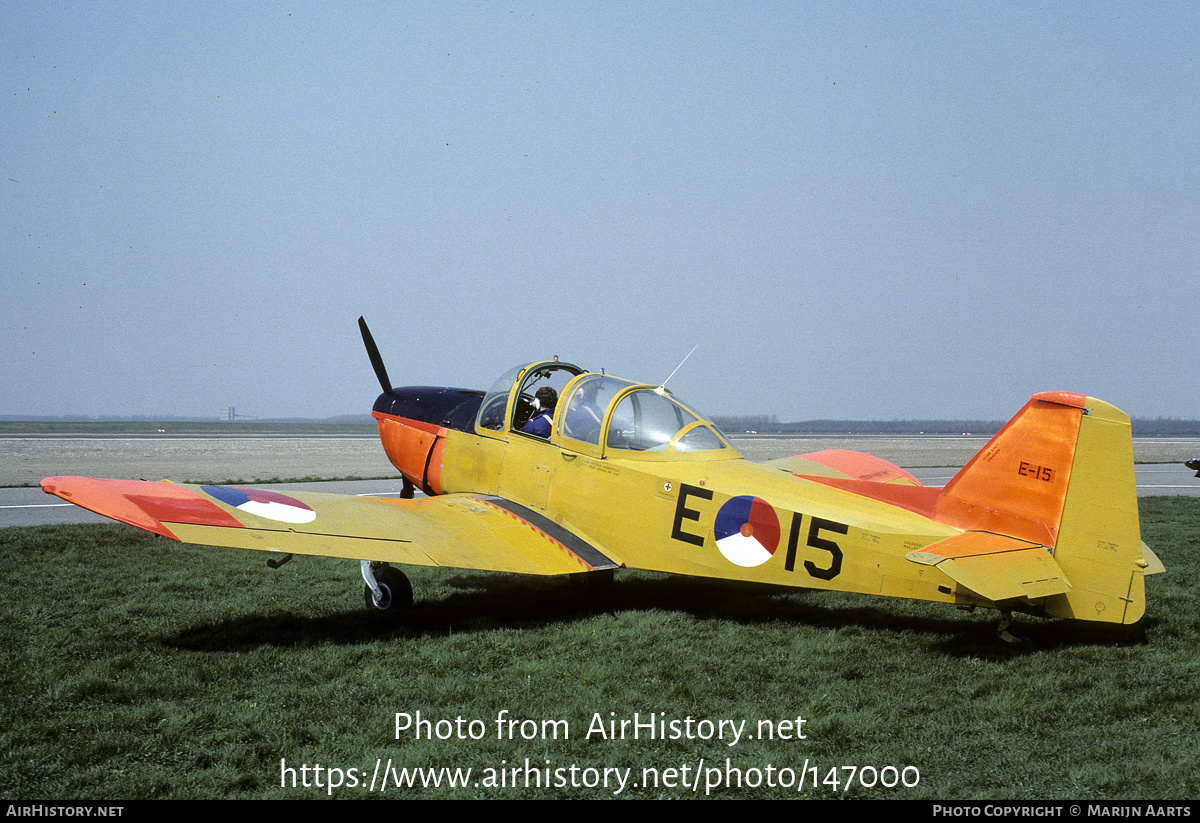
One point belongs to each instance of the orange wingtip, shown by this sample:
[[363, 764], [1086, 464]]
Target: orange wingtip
[[140, 503]]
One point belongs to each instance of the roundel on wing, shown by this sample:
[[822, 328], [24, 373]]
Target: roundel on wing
[[747, 530], [271, 505]]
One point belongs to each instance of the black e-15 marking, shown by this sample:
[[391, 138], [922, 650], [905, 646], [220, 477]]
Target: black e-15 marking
[[682, 512], [1043, 473], [816, 525]]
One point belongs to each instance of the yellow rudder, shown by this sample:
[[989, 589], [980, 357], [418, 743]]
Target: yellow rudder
[[1099, 546]]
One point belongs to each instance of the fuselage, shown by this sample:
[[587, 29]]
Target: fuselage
[[704, 511]]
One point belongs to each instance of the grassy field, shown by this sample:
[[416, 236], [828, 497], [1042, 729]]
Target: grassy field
[[134, 667]]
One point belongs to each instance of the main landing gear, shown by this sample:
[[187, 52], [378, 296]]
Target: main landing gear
[[387, 591]]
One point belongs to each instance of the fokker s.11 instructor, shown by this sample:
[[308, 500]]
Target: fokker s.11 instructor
[[1043, 520]]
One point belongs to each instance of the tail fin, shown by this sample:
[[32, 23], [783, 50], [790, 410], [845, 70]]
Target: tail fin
[[1060, 474]]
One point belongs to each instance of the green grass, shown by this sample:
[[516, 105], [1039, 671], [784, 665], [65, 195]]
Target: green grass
[[135, 667]]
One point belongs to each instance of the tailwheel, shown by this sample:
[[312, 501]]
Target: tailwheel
[[1002, 630], [394, 591]]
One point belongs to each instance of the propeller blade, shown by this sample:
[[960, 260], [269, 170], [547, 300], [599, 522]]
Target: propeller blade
[[373, 353]]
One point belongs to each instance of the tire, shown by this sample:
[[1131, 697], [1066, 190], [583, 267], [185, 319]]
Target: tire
[[396, 589]]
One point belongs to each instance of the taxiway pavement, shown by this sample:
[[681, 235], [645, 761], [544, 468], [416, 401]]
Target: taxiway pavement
[[30, 506]]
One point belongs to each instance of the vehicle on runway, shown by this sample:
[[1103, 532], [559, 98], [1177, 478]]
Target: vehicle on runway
[[1043, 520]]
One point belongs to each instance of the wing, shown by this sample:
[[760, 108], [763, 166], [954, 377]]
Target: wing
[[457, 530], [845, 464]]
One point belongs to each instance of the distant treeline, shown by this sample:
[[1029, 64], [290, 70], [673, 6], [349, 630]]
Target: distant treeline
[[769, 424], [10, 427], [730, 423], [340, 420], [1165, 427]]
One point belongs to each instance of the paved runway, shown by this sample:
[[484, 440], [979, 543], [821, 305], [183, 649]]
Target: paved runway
[[26, 506], [33, 507]]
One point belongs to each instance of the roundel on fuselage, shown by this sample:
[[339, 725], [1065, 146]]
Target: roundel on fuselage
[[747, 531]]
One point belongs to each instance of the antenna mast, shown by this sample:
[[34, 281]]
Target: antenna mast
[[677, 368]]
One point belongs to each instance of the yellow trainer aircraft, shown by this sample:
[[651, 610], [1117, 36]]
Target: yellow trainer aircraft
[[1043, 520]]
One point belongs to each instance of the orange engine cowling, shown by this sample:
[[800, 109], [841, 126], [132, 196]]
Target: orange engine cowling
[[412, 425]]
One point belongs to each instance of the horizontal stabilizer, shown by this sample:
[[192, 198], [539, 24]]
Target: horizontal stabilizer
[[1153, 564], [995, 567]]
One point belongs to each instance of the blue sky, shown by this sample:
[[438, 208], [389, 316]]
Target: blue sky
[[856, 210]]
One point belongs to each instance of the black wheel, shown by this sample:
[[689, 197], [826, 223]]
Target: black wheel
[[396, 590]]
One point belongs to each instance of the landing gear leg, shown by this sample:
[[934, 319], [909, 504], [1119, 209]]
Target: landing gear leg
[[1002, 630], [387, 589]]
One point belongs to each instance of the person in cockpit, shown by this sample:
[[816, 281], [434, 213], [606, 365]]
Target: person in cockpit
[[542, 420]]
